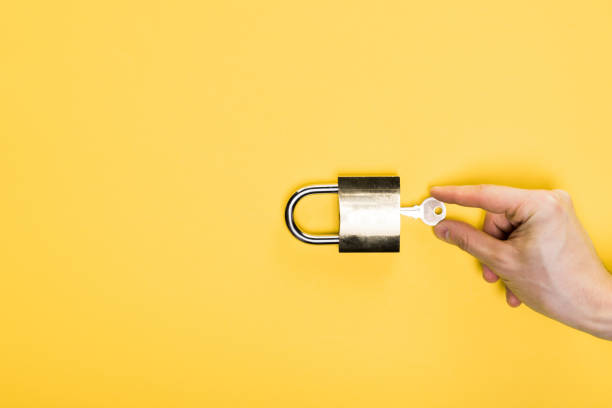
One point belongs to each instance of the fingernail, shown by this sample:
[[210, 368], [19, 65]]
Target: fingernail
[[441, 232]]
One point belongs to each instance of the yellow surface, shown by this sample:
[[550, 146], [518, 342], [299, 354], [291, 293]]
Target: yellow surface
[[146, 154]]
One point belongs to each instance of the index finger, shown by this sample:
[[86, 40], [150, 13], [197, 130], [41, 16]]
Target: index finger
[[495, 199]]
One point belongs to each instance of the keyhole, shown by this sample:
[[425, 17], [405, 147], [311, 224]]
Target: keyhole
[[438, 210]]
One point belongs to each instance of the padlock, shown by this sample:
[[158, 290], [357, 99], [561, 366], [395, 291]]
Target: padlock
[[369, 214]]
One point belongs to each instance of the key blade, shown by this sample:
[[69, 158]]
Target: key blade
[[414, 212]]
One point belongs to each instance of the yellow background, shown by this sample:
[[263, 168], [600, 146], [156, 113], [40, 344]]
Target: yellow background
[[147, 152]]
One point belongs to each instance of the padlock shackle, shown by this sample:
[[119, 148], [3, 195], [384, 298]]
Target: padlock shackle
[[293, 228]]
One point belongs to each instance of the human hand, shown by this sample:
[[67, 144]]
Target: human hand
[[534, 242]]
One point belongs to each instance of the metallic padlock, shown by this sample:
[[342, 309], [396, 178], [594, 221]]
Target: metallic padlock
[[369, 214]]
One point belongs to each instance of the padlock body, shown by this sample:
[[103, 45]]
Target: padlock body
[[369, 214]]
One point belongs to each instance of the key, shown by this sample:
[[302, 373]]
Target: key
[[430, 211]]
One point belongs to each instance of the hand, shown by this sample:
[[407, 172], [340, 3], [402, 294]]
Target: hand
[[534, 242]]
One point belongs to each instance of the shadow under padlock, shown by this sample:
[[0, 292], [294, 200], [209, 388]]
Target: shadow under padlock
[[369, 214]]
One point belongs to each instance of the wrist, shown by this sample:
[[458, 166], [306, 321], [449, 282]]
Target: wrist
[[601, 311]]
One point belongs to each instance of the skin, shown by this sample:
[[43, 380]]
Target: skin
[[533, 241]]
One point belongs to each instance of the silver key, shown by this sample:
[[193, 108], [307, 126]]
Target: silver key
[[431, 211]]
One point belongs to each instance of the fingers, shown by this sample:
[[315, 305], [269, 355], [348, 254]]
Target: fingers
[[487, 249], [496, 199], [498, 226], [488, 274], [487, 245], [511, 299]]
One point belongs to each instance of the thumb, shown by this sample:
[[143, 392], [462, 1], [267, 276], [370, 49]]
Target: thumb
[[487, 249]]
